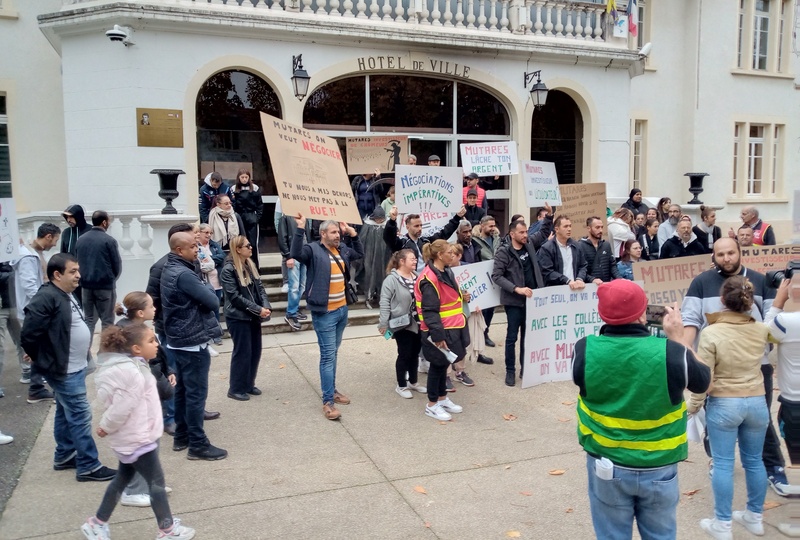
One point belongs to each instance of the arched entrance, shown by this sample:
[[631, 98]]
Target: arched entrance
[[229, 135], [437, 115], [557, 136]]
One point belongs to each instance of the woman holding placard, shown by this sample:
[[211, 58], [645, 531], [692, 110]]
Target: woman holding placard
[[399, 320]]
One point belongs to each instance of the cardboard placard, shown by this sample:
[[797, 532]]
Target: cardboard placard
[[431, 222], [765, 259], [489, 159], [667, 281], [557, 318], [365, 154], [159, 127], [427, 189], [309, 172], [581, 201], [541, 184], [9, 231], [476, 279]]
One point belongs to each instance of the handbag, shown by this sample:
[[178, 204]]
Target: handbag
[[350, 295], [400, 323]]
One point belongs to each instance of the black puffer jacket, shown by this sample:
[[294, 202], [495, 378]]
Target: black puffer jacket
[[599, 261], [189, 305], [249, 205]]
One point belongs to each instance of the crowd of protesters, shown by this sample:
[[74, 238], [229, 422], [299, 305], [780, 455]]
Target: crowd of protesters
[[408, 275]]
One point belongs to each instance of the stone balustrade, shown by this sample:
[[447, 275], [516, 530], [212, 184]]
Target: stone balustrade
[[562, 19]]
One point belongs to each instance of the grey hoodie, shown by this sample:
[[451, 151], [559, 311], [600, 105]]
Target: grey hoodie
[[28, 277]]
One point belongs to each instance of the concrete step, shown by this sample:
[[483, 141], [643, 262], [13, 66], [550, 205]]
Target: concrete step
[[355, 317]]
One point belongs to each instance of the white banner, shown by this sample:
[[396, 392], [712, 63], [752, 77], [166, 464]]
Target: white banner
[[427, 189], [557, 318], [541, 183], [476, 279], [431, 222], [489, 159], [9, 231]]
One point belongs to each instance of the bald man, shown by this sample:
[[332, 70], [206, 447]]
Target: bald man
[[189, 306]]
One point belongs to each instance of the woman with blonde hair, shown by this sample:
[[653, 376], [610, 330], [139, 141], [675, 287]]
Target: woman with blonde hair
[[733, 346], [620, 229], [443, 325], [225, 223], [246, 305], [248, 204]]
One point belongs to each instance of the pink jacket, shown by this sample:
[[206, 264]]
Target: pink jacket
[[127, 395]]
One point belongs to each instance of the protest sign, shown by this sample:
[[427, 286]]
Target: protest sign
[[309, 172], [427, 189], [365, 154], [9, 231], [489, 159], [557, 317], [476, 279], [765, 259], [541, 184], [581, 201], [667, 281], [431, 222]]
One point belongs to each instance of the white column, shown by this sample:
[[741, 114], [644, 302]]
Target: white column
[[537, 25], [504, 22], [448, 13], [493, 16], [559, 24], [482, 15]]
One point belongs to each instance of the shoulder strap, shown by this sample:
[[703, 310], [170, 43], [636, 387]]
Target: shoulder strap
[[345, 271]]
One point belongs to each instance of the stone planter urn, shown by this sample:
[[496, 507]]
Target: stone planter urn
[[168, 183]]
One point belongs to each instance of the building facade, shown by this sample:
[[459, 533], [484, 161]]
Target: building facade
[[717, 94]]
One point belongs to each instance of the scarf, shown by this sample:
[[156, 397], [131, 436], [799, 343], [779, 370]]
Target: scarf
[[217, 219]]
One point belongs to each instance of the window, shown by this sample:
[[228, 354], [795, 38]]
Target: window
[[638, 148], [763, 38], [642, 28], [757, 160], [5, 152]]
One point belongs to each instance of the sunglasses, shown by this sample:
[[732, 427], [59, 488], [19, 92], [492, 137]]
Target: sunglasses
[[247, 246]]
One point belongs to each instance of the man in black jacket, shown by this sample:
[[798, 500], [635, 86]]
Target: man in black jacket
[[599, 257], [684, 243], [561, 261], [74, 216], [189, 306], [57, 340], [516, 271], [101, 266], [413, 239]]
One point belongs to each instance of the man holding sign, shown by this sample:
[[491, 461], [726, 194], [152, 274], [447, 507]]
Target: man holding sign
[[631, 413], [413, 238], [516, 272]]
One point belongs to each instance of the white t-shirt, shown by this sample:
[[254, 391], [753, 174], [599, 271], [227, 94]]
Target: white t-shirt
[[80, 339], [566, 257]]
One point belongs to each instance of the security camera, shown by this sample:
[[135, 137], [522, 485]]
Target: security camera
[[644, 52], [120, 33]]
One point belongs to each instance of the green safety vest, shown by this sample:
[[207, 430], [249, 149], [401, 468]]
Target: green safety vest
[[626, 415]]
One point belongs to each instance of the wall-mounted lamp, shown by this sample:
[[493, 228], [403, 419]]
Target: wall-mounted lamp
[[300, 77], [538, 90]]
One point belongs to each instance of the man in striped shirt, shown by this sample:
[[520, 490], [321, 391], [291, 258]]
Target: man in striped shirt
[[327, 262]]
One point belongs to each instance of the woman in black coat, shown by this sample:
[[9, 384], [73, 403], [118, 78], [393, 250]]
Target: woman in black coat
[[246, 305], [247, 203], [635, 203]]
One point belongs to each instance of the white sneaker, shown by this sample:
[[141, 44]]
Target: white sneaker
[[212, 351], [404, 392], [417, 388], [717, 529], [438, 412], [285, 288], [791, 530], [752, 522], [25, 379], [95, 531], [449, 406], [424, 365], [5, 439], [168, 489], [142, 500], [178, 532]]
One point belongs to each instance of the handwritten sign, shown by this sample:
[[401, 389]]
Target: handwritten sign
[[431, 222], [9, 231], [365, 154], [489, 159], [557, 318], [427, 189], [309, 172], [765, 259], [541, 184], [581, 201], [667, 281], [476, 279]]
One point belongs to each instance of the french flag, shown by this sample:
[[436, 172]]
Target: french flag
[[633, 18]]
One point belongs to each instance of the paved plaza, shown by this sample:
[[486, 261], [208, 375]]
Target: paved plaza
[[384, 471]]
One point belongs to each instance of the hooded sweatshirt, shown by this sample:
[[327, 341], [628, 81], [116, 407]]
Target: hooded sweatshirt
[[128, 398], [70, 235]]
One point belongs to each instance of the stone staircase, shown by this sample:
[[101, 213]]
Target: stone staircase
[[270, 265]]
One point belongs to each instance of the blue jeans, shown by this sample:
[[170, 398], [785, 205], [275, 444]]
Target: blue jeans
[[168, 405], [190, 396], [329, 327], [726, 420], [648, 495], [73, 423], [297, 284]]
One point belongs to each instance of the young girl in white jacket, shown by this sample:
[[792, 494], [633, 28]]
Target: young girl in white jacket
[[132, 423]]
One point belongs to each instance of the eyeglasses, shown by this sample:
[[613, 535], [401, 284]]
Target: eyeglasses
[[248, 246]]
